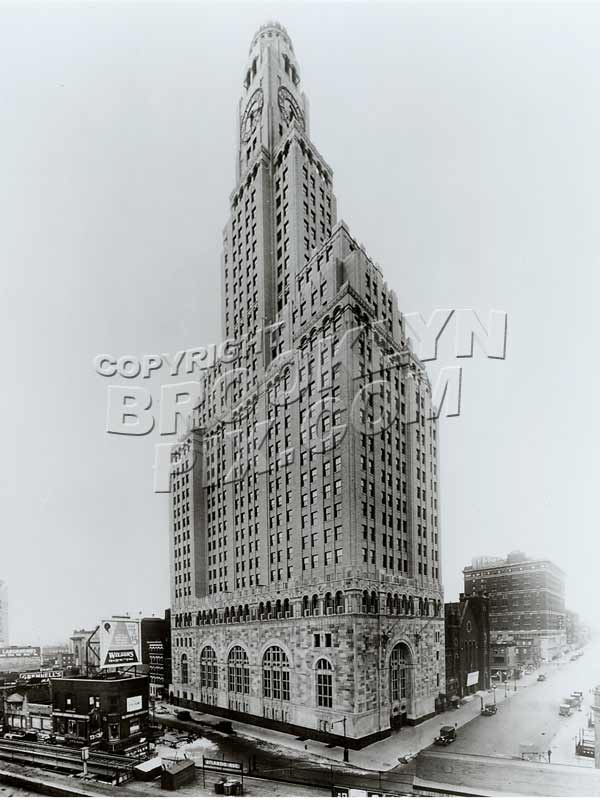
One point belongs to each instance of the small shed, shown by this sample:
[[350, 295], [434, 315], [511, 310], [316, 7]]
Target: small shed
[[178, 774]]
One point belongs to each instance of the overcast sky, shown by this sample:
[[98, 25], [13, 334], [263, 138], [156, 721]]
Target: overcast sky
[[464, 144]]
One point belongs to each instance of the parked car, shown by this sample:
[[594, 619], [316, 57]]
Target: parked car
[[541, 677], [565, 710], [15, 736], [184, 716], [489, 709], [447, 735]]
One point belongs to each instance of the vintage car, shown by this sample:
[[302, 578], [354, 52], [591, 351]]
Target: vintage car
[[541, 677], [565, 710], [577, 698], [489, 710], [447, 735]]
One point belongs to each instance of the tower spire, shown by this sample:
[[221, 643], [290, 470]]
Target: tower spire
[[271, 97]]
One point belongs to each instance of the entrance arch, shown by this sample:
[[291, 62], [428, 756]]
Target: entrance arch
[[400, 684]]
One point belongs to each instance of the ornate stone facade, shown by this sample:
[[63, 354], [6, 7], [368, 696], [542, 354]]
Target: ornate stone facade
[[306, 586]]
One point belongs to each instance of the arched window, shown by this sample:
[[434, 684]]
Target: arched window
[[365, 602], [374, 603], [185, 674], [238, 671], [276, 674], [209, 673], [399, 672], [314, 603], [339, 602], [324, 683]]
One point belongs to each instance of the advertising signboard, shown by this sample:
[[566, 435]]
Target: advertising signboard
[[472, 678], [120, 643], [134, 703], [44, 675], [20, 659], [20, 652]]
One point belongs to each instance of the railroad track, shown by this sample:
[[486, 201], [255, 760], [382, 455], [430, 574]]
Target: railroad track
[[66, 759]]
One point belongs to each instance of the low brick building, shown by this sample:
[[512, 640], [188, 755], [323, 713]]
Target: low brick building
[[27, 707], [467, 627], [108, 710]]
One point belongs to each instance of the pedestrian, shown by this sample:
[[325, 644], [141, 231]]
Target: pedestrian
[[549, 755]]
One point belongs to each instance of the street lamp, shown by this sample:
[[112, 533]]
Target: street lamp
[[343, 721]]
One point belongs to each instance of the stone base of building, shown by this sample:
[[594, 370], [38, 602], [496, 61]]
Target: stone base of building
[[287, 727], [333, 677]]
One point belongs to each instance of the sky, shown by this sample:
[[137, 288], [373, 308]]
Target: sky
[[464, 144]]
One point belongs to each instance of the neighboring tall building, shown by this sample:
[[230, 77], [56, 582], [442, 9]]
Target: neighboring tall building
[[527, 603], [305, 560], [4, 635], [577, 633], [156, 652], [467, 645]]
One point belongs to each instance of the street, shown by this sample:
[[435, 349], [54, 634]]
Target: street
[[530, 715]]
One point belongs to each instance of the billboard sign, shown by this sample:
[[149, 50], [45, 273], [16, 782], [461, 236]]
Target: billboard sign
[[120, 643], [472, 678], [20, 652], [134, 703], [43, 675]]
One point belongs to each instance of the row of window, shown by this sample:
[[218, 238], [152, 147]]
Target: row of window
[[276, 674]]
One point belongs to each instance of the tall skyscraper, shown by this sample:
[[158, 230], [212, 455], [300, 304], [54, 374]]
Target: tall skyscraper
[[305, 557], [4, 637]]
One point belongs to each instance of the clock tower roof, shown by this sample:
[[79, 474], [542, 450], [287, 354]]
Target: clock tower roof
[[268, 31], [271, 100]]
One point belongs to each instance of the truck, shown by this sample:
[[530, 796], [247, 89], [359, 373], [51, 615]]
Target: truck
[[578, 697]]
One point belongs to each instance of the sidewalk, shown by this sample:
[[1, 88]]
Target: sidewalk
[[387, 753]]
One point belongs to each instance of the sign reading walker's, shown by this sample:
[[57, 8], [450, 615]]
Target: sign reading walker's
[[120, 643]]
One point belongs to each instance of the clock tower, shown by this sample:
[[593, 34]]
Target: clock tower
[[305, 566], [271, 100]]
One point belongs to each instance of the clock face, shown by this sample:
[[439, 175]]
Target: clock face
[[252, 115], [289, 108]]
